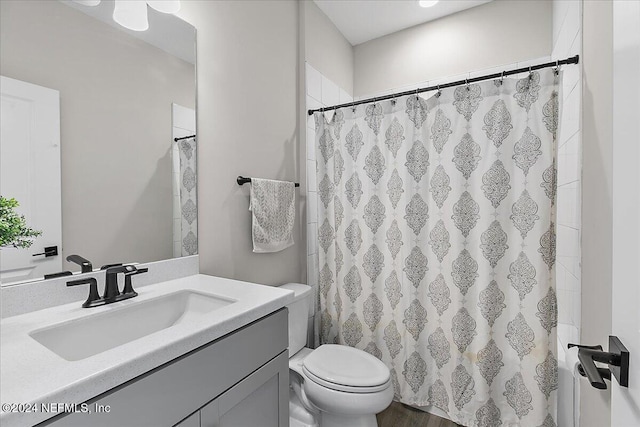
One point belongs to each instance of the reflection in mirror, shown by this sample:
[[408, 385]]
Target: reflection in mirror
[[94, 147]]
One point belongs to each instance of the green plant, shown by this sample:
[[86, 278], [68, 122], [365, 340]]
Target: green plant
[[13, 227]]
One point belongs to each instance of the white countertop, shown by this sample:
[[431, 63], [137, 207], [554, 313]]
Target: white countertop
[[31, 373]]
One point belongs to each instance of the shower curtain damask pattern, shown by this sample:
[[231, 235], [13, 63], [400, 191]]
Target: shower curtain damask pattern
[[437, 242], [188, 197]]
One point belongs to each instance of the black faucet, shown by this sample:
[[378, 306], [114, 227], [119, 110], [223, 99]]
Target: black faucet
[[111, 291], [83, 262]]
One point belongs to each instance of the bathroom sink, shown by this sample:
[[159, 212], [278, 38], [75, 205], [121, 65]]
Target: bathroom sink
[[87, 336]]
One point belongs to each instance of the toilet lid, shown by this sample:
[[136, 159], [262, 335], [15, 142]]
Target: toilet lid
[[343, 365]]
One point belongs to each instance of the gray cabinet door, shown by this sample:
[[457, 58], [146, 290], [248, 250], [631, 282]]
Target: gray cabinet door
[[260, 400], [192, 421]]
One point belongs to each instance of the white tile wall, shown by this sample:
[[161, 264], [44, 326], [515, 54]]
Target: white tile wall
[[330, 92], [312, 265], [312, 185], [567, 41], [313, 209], [321, 92], [312, 104], [345, 97], [313, 83], [311, 142], [312, 244]]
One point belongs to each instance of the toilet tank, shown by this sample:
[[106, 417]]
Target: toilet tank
[[299, 311]]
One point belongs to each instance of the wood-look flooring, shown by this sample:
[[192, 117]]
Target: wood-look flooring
[[399, 415]]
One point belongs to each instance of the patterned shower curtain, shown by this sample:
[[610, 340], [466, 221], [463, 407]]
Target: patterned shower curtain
[[188, 197], [437, 245]]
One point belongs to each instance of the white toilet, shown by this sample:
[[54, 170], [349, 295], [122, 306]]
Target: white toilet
[[333, 385]]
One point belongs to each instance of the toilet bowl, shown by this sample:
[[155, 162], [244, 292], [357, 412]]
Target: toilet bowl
[[333, 385]]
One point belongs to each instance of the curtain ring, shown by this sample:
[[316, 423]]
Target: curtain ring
[[502, 78], [530, 73], [353, 106], [417, 97], [466, 82], [439, 92], [557, 69]]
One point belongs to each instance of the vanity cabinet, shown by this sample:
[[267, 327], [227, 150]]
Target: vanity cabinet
[[241, 379]]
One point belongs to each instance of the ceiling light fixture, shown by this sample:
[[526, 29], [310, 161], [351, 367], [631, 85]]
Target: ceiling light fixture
[[88, 2], [132, 14], [165, 6], [427, 3]]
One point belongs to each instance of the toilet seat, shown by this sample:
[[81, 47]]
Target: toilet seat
[[346, 369], [342, 387]]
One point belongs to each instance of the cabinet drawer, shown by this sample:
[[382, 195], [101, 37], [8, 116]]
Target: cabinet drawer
[[167, 394], [192, 421]]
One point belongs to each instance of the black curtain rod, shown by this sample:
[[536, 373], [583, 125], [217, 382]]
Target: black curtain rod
[[184, 137], [572, 60]]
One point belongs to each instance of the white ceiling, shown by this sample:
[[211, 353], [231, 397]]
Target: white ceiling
[[167, 32], [363, 20]]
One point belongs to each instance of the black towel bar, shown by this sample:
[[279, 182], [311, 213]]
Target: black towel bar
[[241, 180]]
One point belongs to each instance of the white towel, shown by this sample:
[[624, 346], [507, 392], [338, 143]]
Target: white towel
[[272, 205]]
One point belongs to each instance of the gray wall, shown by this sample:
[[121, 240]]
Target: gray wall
[[495, 33], [326, 49], [247, 125], [115, 108], [597, 207]]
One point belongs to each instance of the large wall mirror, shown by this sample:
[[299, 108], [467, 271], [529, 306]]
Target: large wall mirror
[[97, 138]]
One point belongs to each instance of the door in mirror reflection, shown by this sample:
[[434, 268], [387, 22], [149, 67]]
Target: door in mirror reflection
[[30, 173], [117, 89]]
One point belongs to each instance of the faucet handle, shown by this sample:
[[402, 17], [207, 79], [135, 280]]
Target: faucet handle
[[56, 275], [104, 267], [128, 287], [93, 299], [111, 291], [136, 271], [86, 265]]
